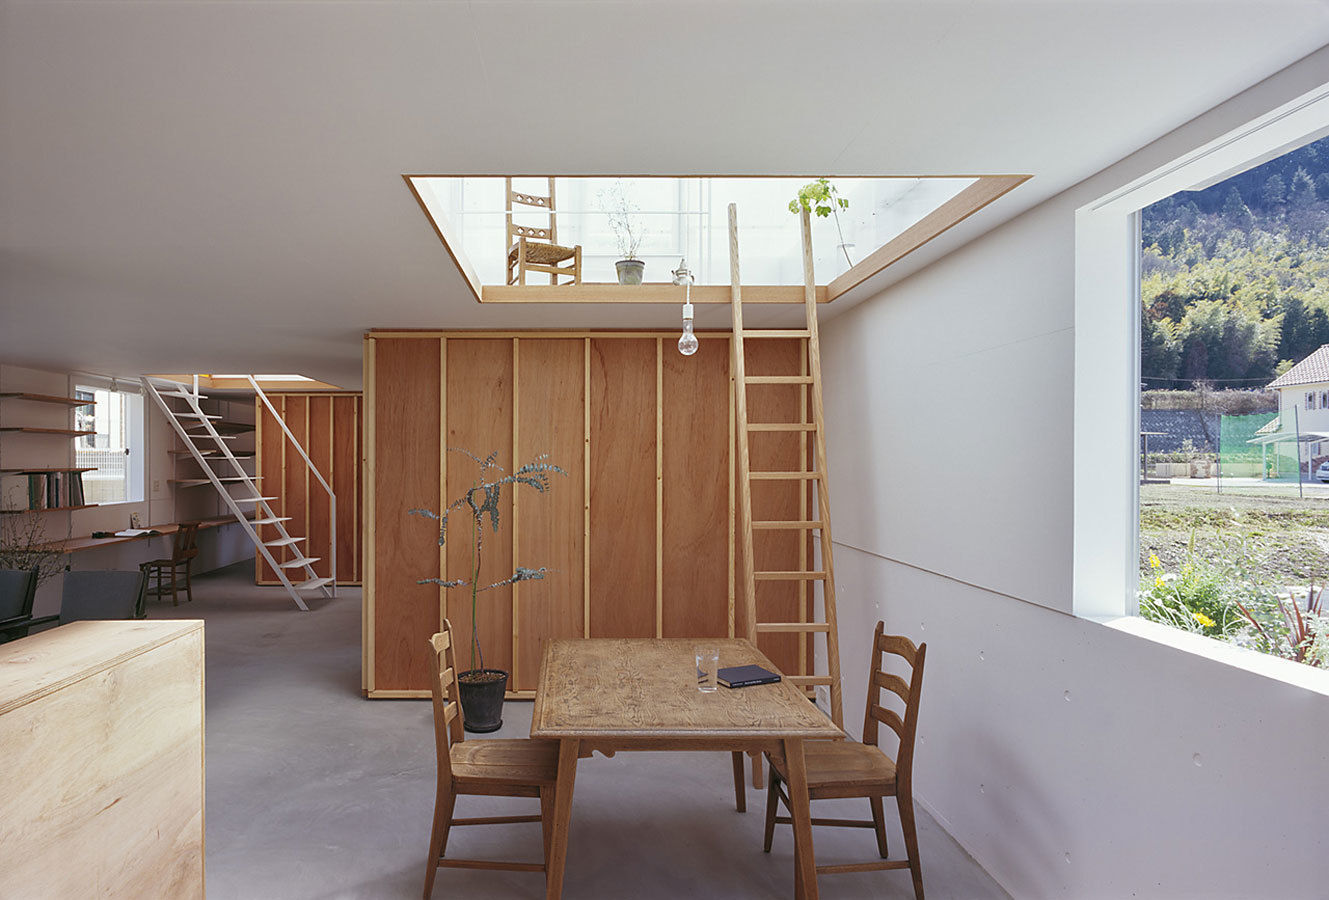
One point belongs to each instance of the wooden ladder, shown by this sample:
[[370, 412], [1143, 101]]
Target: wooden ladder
[[806, 574]]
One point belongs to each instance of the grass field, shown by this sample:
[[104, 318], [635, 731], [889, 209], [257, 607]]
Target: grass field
[[1284, 538]]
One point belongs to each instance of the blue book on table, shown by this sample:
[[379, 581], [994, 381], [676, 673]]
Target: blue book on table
[[742, 676]]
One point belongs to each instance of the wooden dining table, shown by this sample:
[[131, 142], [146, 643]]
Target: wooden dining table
[[612, 694]]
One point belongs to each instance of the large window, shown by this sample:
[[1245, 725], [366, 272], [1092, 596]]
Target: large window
[[117, 450]]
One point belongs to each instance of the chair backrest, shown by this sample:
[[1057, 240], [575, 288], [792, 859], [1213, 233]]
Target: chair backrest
[[103, 594], [185, 544], [518, 198], [447, 698], [909, 693], [18, 587]]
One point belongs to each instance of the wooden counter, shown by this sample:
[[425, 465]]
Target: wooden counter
[[101, 734], [75, 544]]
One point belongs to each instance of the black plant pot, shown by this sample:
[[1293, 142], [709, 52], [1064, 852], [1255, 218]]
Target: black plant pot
[[482, 700]]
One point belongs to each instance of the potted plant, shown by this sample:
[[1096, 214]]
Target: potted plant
[[822, 199], [628, 232], [483, 689]]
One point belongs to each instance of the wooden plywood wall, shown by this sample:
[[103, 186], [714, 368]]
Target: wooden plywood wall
[[328, 426], [640, 537]]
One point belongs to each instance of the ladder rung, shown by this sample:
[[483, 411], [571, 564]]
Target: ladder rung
[[183, 393], [790, 576], [282, 542], [779, 379], [775, 333], [297, 563], [793, 626], [784, 476], [792, 526], [808, 679], [270, 520], [782, 426], [313, 583]]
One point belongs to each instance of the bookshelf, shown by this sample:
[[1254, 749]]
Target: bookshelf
[[43, 488]]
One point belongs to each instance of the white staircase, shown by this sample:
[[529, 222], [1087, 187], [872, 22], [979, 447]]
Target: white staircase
[[201, 439]]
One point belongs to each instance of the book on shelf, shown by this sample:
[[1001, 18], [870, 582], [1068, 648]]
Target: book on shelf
[[41, 490]]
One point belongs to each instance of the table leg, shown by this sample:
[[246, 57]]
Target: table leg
[[568, 751], [800, 811]]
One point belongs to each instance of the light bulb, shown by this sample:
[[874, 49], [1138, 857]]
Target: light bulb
[[688, 343]]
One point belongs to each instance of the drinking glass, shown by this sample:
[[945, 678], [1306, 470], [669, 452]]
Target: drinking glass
[[708, 668]]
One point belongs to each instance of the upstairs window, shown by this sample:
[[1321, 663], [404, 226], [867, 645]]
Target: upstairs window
[[117, 451]]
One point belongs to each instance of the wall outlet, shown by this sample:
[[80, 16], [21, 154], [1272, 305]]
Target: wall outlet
[[156, 486]]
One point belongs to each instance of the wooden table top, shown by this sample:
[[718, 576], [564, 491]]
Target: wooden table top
[[647, 688]]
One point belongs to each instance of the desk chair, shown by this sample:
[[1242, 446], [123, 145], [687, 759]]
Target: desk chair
[[102, 594], [184, 547], [18, 587], [847, 769], [494, 767]]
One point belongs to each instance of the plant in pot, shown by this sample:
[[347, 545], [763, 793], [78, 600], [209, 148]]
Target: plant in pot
[[482, 689], [628, 232], [822, 199]]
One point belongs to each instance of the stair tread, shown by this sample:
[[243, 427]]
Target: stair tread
[[297, 563], [313, 583], [270, 520], [283, 542]]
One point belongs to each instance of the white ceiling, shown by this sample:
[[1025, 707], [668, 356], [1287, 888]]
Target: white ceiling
[[165, 166]]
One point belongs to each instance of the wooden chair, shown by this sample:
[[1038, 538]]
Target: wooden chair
[[532, 249], [18, 588], [495, 767], [837, 769], [184, 548]]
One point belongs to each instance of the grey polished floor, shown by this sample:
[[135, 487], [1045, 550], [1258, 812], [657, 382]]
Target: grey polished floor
[[315, 792]]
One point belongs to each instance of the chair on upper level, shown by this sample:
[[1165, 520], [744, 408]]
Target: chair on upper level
[[838, 769], [494, 767], [18, 587], [532, 249], [184, 547]]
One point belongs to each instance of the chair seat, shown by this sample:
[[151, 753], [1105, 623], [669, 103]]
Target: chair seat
[[543, 254], [838, 765], [161, 562], [515, 761]]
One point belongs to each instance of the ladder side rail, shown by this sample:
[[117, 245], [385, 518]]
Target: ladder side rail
[[823, 494], [744, 460], [221, 490], [332, 497]]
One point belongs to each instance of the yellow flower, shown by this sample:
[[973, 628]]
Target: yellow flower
[[1158, 581], [1203, 619], [1153, 561]]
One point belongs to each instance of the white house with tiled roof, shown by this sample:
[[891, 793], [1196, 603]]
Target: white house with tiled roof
[[1303, 404]]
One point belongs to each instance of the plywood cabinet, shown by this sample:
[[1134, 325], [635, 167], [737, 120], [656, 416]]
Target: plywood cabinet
[[639, 537], [101, 733]]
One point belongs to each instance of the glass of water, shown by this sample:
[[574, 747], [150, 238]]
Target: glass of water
[[708, 668]]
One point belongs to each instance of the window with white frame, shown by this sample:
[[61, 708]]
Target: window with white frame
[[1310, 399], [116, 451]]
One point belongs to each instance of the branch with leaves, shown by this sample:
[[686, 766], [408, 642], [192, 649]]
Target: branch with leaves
[[822, 199], [481, 501], [24, 545]]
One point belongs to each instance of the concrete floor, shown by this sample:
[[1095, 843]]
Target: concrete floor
[[314, 792]]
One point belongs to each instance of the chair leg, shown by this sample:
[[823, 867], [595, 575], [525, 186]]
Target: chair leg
[[547, 816], [906, 804], [438, 838], [189, 588], [772, 807], [879, 824], [740, 786], [175, 600]]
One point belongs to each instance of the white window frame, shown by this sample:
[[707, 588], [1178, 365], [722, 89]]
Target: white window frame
[[1107, 358], [136, 432], [1310, 399]]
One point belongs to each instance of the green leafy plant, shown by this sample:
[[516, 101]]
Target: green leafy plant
[[1304, 637], [624, 218], [822, 199], [1193, 600], [481, 501]]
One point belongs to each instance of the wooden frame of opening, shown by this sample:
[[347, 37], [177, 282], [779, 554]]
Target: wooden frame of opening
[[556, 392], [984, 190]]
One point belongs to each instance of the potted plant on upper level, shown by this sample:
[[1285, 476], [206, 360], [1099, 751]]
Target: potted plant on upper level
[[628, 232], [483, 689], [822, 199]]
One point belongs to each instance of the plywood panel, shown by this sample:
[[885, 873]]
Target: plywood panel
[[345, 484], [623, 539], [551, 392], [408, 427], [777, 601], [319, 448], [695, 532], [269, 442], [479, 404]]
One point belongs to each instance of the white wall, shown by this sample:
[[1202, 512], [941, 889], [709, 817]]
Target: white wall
[[1070, 759]]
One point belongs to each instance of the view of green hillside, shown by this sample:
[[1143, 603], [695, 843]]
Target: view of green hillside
[[1235, 278]]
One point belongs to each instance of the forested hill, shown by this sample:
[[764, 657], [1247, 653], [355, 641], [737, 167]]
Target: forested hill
[[1235, 278]]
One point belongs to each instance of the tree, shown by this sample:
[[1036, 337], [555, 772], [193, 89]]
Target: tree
[[1274, 193], [1160, 354], [1237, 213], [1301, 194]]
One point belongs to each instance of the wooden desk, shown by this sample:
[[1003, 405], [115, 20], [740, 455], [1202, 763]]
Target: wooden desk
[[641, 694], [75, 544]]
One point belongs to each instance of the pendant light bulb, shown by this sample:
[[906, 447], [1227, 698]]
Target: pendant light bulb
[[688, 343]]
